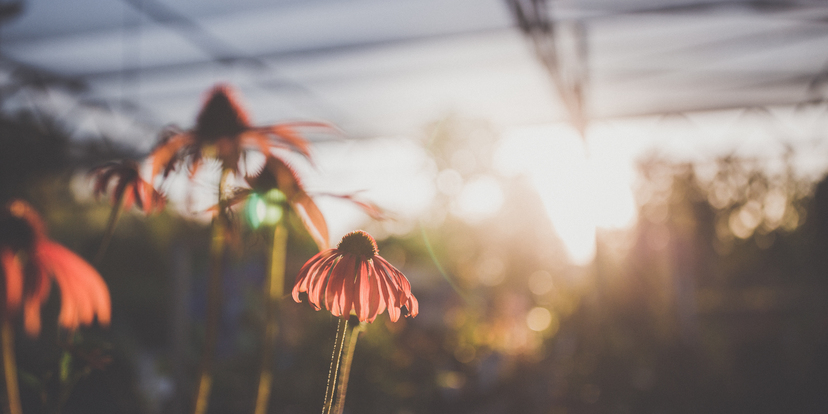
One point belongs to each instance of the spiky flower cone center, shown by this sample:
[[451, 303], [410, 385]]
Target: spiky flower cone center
[[16, 233], [221, 116], [358, 243], [18, 228]]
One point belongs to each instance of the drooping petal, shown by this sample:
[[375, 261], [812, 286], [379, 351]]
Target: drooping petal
[[150, 199], [303, 278], [84, 294], [14, 278], [71, 305], [388, 291], [336, 282], [129, 186], [362, 291], [138, 195], [376, 300], [129, 198], [346, 299], [35, 296], [286, 135], [403, 288], [166, 154], [320, 280], [413, 306], [31, 317], [258, 140], [103, 174], [309, 276], [287, 180], [312, 218], [122, 189], [385, 269]]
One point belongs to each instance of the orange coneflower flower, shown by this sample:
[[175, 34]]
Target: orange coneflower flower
[[354, 277], [130, 188], [223, 131], [28, 258]]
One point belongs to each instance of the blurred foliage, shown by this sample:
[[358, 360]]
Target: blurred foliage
[[714, 302]]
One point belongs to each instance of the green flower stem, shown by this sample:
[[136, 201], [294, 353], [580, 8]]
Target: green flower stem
[[275, 289], [114, 215], [345, 368], [341, 332], [205, 377], [67, 383], [68, 380], [10, 366]]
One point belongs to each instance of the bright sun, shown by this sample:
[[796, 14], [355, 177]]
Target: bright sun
[[583, 185]]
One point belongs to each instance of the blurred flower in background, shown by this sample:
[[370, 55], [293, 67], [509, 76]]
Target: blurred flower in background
[[30, 261], [223, 131], [129, 187]]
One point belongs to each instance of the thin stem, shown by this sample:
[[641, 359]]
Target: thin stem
[[345, 368], [66, 385], [114, 215], [10, 367], [274, 286], [205, 377], [341, 331], [64, 371]]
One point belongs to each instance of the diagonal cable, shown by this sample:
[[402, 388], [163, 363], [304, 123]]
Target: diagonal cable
[[219, 50], [533, 19]]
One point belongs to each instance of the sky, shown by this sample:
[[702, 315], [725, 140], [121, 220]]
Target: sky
[[584, 184], [382, 71]]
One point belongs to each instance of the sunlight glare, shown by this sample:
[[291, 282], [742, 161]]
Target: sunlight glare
[[582, 188], [395, 173], [479, 199]]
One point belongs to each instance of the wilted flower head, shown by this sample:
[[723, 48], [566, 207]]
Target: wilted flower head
[[223, 131], [354, 277], [28, 258], [128, 185], [277, 174]]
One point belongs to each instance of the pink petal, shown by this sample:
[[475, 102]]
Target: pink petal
[[344, 296], [413, 306], [303, 278], [319, 281], [376, 299], [312, 218], [362, 292], [333, 292]]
